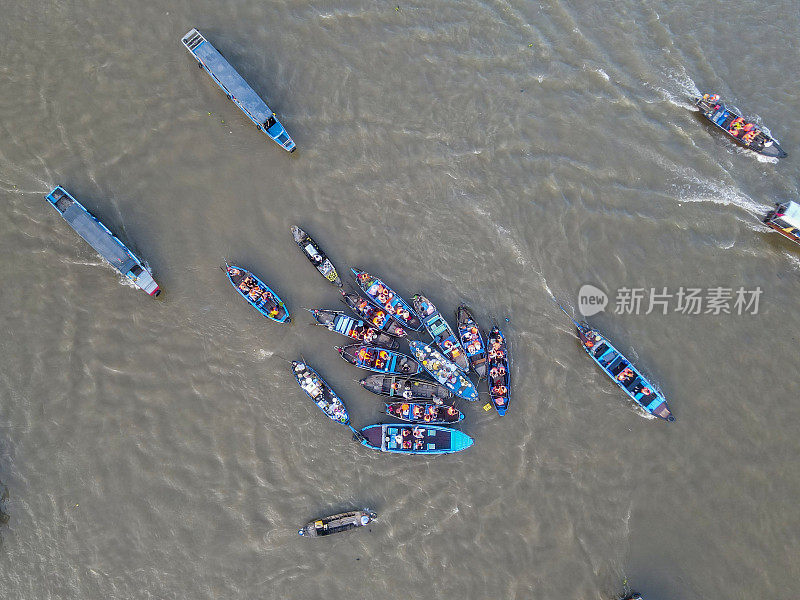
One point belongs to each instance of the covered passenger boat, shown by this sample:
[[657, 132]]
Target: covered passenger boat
[[258, 294], [747, 134], [424, 412], [444, 371], [499, 371], [105, 243], [408, 388], [316, 256], [372, 314], [785, 219], [471, 339], [338, 321], [320, 392], [237, 89], [414, 439], [377, 359], [440, 331], [338, 523], [387, 299]]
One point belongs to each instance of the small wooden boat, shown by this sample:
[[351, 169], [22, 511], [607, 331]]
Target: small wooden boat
[[416, 439], [372, 314], [377, 359], [338, 321], [320, 392], [746, 134], [316, 256], [471, 339], [387, 299], [258, 294], [785, 219], [424, 412], [499, 371], [444, 371], [440, 331], [338, 523], [408, 388]]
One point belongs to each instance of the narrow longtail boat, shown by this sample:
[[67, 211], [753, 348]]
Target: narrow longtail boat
[[440, 331], [746, 134], [499, 371], [236, 88], [316, 256], [785, 219], [387, 299], [338, 321], [444, 371], [105, 243], [407, 388], [337, 523], [372, 314], [320, 392], [417, 439], [258, 294], [377, 359], [471, 339], [424, 412]]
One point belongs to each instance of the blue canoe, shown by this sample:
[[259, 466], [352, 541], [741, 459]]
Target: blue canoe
[[237, 89], [444, 371], [258, 294], [440, 331], [401, 439], [499, 371], [320, 392], [387, 299], [379, 360], [102, 240], [471, 339]]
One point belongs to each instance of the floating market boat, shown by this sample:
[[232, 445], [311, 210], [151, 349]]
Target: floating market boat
[[387, 299], [258, 294], [499, 371], [316, 256], [440, 331], [442, 370], [338, 321], [417, 439], [471, 339], [746, 134], [102, 240], [380, 360], [408, 388], [785, 219], [424, 412], [338, 523], [320, 392], [372, 314], [237, 89]]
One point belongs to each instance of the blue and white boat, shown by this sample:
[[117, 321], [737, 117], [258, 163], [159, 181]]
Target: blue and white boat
[[440, 331], [355, 329], [380, 360], [102, 240], [444, 371], [237, 89], [320, 392], [417, 439], [258, 294], [387, 299]]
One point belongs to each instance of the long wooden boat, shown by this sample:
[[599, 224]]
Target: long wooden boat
[[428, 413], [258, 294], [440, 331], [377, 359], [387, 299], [105, 243], [407, 388], [444, 371], [337, 523], [471, 339], [338, 321], [499, 371], [745, 133], [320, 392], [316, 256], [785, 219], [372, 314], [237, 89], [417, 439]]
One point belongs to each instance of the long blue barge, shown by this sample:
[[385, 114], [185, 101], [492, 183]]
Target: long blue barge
[[237, 89]]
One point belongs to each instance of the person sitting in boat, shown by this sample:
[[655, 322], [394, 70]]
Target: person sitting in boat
[[419, 444], [497, 371], [398, 439], [369, 335], [499, 390], [274, 312], [266, 297], [625, 375], [451, 411], [233, 271], [646, 391], [500, 401], [407, 445], [244, 287], [419, 432], [417, 411]]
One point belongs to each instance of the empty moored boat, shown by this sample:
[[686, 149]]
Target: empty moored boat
[[408, 388], [237, 89], [105, 243], [469, 335], [440, 331], [386, 298], [258, 294], [338, 321], [424, 412], [414, 439], [372, 314], [499, 371], [785, 219], [316, 256], [338, 523], [379, 360], [444, 371], [320, 392]]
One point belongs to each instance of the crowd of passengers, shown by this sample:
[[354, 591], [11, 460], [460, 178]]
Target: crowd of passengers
[[497, 372], [622, 372], [426, 413], [255, 293], [471, 340], [410, 439], [385, 297]]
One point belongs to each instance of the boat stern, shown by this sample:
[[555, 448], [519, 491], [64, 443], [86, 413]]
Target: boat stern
[[144, 281], [662, 411]]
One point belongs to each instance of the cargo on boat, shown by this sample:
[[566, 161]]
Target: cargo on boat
[[316, 256], [424, 412], [387, 299], [320, 392], [408, 388], [372, 314], [338, 321], [499, 371], [377, 359], [785, 219], [440, 331], [444, 371], [338, 523], [414, 439], [105, 243], [237, 89], [258, 294], [472, 340]]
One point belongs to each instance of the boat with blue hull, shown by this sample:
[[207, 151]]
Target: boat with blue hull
[[414, 439], [237, 89], [355, 329], [499, 371], [372, 314], [320, 392], [379, 360], [440, 331], [387, 299], [105, 243], [428, 413], [258, 294], [316, 256], [471, 339], [444, 371]]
